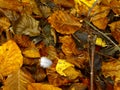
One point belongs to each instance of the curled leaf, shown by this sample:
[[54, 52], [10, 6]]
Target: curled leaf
[[26, 25], [11, 58], [63, 22]]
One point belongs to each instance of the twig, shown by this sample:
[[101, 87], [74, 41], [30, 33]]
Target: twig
[[92, 40], [87, 22]]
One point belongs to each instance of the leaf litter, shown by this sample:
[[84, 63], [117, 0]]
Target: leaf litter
[[79, 40]]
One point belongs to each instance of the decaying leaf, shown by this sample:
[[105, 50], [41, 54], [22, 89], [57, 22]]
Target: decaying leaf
[[4, 24], [99, 14], [115, 30], [31, 53], [26, 25], [112, 69], [18, 81], [68, 45], [63, 22], [42, 86], [23, 41], [11, 58]]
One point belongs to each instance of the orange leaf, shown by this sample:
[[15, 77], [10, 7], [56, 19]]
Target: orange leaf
[[63, 22], [41, 86], [11, 58]]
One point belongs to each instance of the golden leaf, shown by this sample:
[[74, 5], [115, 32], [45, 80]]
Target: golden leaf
[[112, 69], [42, 86], [31, 53], [62, 65], [63, 22], [18, 81], [68, 45], [115, 30], [72, 73], [99, 14], [11, 58]]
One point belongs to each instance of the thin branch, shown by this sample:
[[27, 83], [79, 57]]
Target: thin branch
[[87, 22]]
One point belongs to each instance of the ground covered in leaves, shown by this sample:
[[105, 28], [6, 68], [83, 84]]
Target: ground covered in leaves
[[59, 44]]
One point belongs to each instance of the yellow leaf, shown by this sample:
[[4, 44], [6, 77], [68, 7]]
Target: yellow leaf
[[100, 42], [89, 3], [18, 81], [11, 58], [72, 73], [62, 65], [31, 53], [42, 86]]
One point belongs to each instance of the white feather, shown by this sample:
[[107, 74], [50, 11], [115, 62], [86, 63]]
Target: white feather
[[45, 62]]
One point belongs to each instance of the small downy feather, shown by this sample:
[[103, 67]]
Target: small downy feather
[[45, 62]]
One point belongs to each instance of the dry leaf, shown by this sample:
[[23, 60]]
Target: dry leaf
[[99, 14], [112, 69], [68, 46], [115, 30], [4, 24], [62, 65], [42, 86], [18, 81], [115, 5], [13, 5], [65, 3], [72, 73], [63, 22], [11, 58], [31, 53], [79, 60], [23, 41], [26, 25]]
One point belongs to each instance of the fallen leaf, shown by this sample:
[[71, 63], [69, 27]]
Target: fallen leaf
[[114, 27], [18, 81], [68, 46], [11, 58], [62, 65], [42, 86], [23, 41], [99, 14], [112, 69], [115, 4], [13, 5], [72, 73], [26, 25], [31, 53], [63, 22]]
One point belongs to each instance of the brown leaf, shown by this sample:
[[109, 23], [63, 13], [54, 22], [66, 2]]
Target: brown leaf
[[23, 41], [26, 25], [13, 5], [115, 30], [112, 69], [18, 81], [99, 14], [11, 58], [42, 86], [63, 22], [68, 46]]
